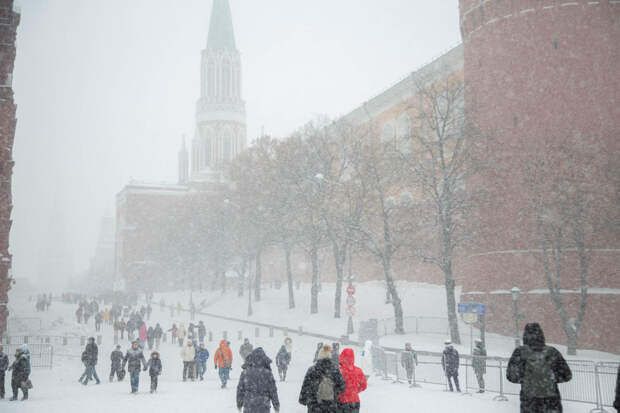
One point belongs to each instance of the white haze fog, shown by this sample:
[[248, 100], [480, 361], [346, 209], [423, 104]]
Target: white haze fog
[[105, 90]]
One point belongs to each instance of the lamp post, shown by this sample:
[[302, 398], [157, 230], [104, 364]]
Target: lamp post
[[515, 300]]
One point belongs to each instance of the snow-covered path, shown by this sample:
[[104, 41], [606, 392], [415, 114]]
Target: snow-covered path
[[58, 391]]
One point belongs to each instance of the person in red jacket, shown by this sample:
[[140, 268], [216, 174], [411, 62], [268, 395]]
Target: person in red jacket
[[349, 400]]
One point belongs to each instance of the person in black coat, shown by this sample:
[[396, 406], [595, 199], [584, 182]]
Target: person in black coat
[[479, 363], [4, 365], [133, 359], [322, 384], [116, 357], [283, 358], [21, 371], [450, 364], [154, 367], [538, 369], [257, 391], [91, 356]]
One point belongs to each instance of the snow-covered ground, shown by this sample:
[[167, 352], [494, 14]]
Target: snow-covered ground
[[58, 391]]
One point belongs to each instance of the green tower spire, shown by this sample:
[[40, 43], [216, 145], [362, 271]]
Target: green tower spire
[[221, 33]]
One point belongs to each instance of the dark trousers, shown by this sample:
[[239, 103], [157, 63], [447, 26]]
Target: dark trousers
[[541, 405], [282, 372], [202, 367], [409, 375], [188, 370], [153, 383], [455, 377], [116, 370], [350, 408], [1, 384], [135, 380], [91, 374], [15, 386], [224, 375], [480, 378]]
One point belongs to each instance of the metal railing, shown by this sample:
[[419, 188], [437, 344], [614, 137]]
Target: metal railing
[[592, 382], [41, 355], [417, 325]]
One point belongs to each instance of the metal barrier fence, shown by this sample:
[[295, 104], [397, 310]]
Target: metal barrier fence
[[592, 382], [417, 325], [52, 340], [41, 355]]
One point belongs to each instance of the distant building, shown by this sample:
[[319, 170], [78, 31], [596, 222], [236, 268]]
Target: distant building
[[9, 20]]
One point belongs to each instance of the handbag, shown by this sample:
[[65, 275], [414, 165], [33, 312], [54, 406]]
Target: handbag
[[121, 374], [227, 363], [26, 384]]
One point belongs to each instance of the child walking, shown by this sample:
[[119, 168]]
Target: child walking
[[154, 368]]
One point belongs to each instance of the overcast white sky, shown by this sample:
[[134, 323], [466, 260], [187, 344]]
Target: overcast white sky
[[105, 89]]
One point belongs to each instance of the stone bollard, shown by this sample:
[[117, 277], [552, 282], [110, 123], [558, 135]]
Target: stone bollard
[[65, 340], [239, 335], [98, 340], [82, 340], [256, 332], [225, 335], [271, 332], [210, 336]]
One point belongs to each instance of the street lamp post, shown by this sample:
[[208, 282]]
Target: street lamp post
[[515, 300]]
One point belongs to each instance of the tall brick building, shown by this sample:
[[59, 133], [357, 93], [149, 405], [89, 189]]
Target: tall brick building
[[9, 20]]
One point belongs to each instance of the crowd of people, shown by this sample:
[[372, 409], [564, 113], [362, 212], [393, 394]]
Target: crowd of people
[[44, 302]]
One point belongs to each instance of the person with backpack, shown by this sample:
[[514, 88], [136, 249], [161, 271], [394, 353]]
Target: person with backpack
[[355, 380], [223, 362], [539, 369], [257, 391], [322, 385], [188, 355], [450, 364], [21, 372], [479, 363], [154, 367], [116, 357], [408, 360], [92, 352], [134, 358], [283, 358]]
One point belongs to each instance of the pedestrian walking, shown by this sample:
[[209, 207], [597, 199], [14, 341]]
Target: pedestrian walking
[[188, 355], [408, 360], [355, 380], [150, 337], [202, 355], [142, 333], [322, 385], [450, 364], [223, 362], [173, 333], [122, 326], [479, 363], [154, 367], [257, 391], [116, 359], [134, 360], [283, 358], [539, 369], [158, 334], [366, 359], [92, 354], [21, 372], [245, 349], [4, 365], [98, 321]]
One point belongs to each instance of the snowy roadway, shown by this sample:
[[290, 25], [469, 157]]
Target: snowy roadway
[[58, 391]]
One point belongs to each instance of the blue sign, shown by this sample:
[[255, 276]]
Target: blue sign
[[472, 308]]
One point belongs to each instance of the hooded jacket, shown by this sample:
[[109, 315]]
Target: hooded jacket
[[223, 356], [283, 358], [353, 376], [154, 365], [366, 358], [450, 361], [142, 332], [308, 396], [21, 368], [534, 340], [189, 352], [91, 354], [257, 388], [116, 357]]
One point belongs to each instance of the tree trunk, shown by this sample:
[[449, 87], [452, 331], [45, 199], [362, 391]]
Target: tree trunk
[[451, 304], [339, 258], [289, 277], [258, 276], [396, 303], [571, 341], [314, 290]]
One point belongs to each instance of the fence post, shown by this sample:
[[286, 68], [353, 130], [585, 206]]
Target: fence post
[[51, 356], [599, 399], [501, 397]]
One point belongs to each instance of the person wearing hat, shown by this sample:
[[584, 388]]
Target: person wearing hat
[[4, 365], [283, 358], [91, 356], [154, 367], [409, 359], [450, 364], [223, 361], [202, 355], [479, 363], [257, 391], [133, 359], [21, 371], [322, 385], [116, 357]]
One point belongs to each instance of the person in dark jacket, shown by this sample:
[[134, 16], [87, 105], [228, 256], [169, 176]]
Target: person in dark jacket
[[450, 364], [479, 363], [133, 359], [538, 368], [21, 371], [257, 391], [116, 357], [4, 365], [409, 359], [158, 334], [154, 367], [202, 356], [92, 354], [617, 401], [245, 349], [322, 385], [283, 358], [150, 337]]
